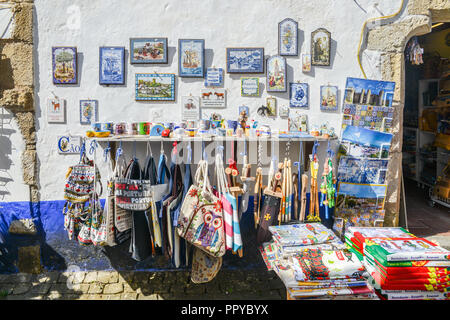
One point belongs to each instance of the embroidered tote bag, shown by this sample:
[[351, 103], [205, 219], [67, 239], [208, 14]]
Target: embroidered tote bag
[[200, 221], [81, 180]]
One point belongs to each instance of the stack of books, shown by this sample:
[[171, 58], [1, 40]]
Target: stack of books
[[401, 265]]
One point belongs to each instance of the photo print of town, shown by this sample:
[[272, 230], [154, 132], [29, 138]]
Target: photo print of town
[[368, 104]]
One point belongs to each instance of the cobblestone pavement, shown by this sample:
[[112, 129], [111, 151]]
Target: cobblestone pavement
[[113, 285]]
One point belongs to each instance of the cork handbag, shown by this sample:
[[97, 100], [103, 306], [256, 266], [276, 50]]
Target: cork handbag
[[201, 220]]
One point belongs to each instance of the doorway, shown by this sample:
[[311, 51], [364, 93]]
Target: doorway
[[426, 134]]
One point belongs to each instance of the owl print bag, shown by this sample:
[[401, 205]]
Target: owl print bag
[[201, 220]]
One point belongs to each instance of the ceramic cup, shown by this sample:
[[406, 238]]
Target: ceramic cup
[[107, 126], [216, 124], [144, 128], [97, 126], [120, 128], [205, 124], [232, 124]]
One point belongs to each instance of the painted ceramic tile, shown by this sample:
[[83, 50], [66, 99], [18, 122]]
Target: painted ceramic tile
[[155, 86], [245, 109], [288, 37], [213, 98], [245, 60], [276, 74], [361, 170], [214, 77], [56, 110], [191, 108], [298, 95], [320, 47], [271, 104], [112, 65], [191, 58], [306, 62], [328, 98], [69, 144], [298, 122], [284, 112], [88, 111], [64, 61], [148, 50], [249, 87]]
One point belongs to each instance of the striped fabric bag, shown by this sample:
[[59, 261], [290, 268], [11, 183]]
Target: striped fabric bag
[[233, 240]]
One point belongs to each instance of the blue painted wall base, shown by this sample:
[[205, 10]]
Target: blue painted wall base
[[59, 253]]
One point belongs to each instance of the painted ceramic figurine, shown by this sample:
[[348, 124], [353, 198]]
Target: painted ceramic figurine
[[243, 119]]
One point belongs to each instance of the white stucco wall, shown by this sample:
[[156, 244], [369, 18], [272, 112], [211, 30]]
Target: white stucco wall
[[12, 145], [231, 23]]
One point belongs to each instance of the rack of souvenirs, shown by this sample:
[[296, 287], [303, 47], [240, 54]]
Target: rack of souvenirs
[[162, 208], [401, 265]]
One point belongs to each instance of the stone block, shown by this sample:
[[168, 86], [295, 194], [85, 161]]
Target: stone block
[[21, 288], [20, 57], [40, 289], [392, 37], [17, 99], [23, 24], [90, 277], [149, 297], [113, 288], [106, 277], [23, 227], [96, 288], [29, 259], [128, 296], [25, 121]]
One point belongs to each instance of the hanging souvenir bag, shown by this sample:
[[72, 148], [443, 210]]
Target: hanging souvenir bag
[[233, 240], [204, 266], [200, 221], [80, 180], [109, 210], [122, 217], [78, 191], [133, 194]]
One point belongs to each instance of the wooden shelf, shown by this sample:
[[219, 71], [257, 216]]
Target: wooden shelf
[[205, 138]]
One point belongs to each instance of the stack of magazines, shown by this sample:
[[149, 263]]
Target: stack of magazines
[[291, 238], [401, 265], [311, 262]]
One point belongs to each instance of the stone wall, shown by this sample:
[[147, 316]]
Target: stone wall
[[17, 85], [17, 96]]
